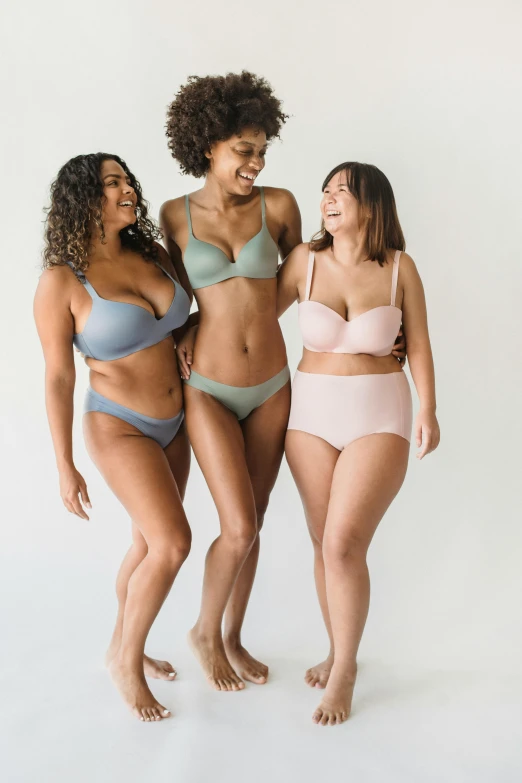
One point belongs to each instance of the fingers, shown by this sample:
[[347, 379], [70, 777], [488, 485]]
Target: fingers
[[85, 496], [426, 439], [183, 365], [73, 505]]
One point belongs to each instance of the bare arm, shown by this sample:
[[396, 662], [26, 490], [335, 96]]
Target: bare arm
[[291, 231], [55, 326], [420, 356], [290, 276]]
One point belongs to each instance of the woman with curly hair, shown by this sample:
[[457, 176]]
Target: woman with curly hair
[[350, 423], [104, 290], [225, 240]]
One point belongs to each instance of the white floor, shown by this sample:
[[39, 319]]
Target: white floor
[[62, 721]]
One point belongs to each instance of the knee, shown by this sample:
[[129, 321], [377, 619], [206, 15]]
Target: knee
[[241, 536], [173, 551], [346, 549]]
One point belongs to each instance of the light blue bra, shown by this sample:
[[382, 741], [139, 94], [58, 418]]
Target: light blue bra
[[207, 264], [117, 329]]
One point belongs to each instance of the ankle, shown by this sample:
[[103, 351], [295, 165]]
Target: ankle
[[232, 640], [208, 636]]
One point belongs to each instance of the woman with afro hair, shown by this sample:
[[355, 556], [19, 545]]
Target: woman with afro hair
[[109, 288], [225, 241]]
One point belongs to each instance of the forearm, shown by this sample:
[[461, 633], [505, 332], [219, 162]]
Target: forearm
[[423, 373], [59, 404]]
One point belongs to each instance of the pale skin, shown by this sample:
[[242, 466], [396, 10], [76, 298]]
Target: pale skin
[[346, 493], [239, 459], [149, 481]]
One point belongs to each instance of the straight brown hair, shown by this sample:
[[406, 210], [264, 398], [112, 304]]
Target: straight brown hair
[[374, 193]]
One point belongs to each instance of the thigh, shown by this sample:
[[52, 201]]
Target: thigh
[[138, 472], [219, 448], [367, 477], [312, 462], [264, 436], [178, 457]]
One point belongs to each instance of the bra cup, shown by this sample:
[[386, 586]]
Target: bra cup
[[372, 332], [117, 329], [257, 259], [320, 331]]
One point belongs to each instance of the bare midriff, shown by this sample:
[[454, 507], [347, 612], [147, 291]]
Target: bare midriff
[[147, 381], [239, 341], [347, 363]]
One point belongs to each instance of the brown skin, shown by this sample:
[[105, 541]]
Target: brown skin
[[149, 481], [346, 494], [240, 460]]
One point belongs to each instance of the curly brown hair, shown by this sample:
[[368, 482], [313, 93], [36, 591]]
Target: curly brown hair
[[374, 193], [214, 108], [76, 205]]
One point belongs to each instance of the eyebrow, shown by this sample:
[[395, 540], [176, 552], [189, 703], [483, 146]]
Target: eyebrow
[[251, 144], [114, 176]]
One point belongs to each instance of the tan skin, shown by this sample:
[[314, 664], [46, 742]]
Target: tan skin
[[239, 343], [149, 481], [345, 494], [240, 461]]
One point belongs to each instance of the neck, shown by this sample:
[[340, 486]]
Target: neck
[[108, 250], [350, 250], [215, 194]]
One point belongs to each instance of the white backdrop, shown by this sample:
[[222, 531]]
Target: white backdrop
[[430, 93]]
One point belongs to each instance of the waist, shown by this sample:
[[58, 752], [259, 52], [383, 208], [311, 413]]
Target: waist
[[239, 354], [347, 363], [146, 381]]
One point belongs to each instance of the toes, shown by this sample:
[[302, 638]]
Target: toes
[[162, 711], [325, 719], [155, 713], [318, 714]]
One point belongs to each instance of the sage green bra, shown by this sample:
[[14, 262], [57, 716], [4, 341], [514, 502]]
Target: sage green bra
[[207, 264]]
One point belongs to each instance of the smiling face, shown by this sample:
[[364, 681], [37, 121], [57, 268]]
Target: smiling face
[[340, 210], [237, 161], [119, 198]]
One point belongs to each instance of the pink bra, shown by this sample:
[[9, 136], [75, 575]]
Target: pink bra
[[373, 332]]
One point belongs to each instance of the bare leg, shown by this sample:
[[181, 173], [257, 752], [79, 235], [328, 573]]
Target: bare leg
[[264, 434], [178, 456], [367, 477], [312, 461], [218, 445], [138, 472]]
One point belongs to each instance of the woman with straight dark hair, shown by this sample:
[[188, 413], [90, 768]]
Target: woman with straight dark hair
[[109, 288], [350, 422]]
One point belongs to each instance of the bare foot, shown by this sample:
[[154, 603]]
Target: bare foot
[[158, 670], [214, 662], [337, 703], [246, 666], [136, 694], [317, 676]]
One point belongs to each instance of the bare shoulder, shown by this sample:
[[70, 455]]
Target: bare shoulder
[[172, 211], [281, 198], [407, 269], [57, 281]]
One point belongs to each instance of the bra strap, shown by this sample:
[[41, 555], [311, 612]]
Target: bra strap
[[311, 259], [395, 276], [189, 219], [83, 280], [165, 272], [263, 208]]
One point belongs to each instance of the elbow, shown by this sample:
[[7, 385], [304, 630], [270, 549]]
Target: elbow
[[60, 381]]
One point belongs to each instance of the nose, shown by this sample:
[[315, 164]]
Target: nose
[[127, 188], [257, 163]]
